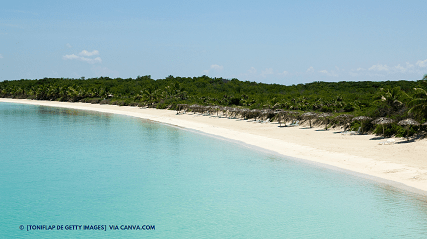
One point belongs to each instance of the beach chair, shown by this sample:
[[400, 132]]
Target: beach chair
[[295, 123], [359, 131], [387, 142], [265, 121], [390, 141]]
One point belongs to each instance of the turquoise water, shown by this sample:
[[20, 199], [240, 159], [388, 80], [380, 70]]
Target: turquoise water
[[69, 167]]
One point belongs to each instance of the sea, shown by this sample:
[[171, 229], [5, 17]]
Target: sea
[[66, 173]]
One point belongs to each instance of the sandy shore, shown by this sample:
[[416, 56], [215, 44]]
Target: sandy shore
[[403, 164]]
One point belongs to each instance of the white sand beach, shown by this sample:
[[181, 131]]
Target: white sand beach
[[403, 164]]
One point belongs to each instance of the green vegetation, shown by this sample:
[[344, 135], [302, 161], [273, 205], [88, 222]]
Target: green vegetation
[[396, 100]]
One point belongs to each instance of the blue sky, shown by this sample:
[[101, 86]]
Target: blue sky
[[285, 42]]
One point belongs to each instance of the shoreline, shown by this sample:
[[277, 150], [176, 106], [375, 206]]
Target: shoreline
[[402, 165]]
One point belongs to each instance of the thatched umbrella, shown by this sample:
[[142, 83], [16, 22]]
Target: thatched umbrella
[[279, 114], [206, 109], [216, 108], [382, 121], [235, 112], [211, 109], [255, 113], [291, 114], [231, 111], [362, 119], [180, 107], [226, 111], [309, 116], [407, 123], [344, 119], [266, 113], [195, 108], [244, 113], [326, 116]]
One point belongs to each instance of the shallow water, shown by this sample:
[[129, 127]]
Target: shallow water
[[69, 167]]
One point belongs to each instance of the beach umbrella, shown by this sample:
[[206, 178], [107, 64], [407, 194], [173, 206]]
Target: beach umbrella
[[362, 119], [309, 116], [326, 116], [279, 114], [235, 112], [226, 110], [283, 115], [195, 108], [208, 109], [278, 111], [180, 107], [344, 119], [185, 107], [216, 108], [254, 113], [198, 108], [266, 112], [291, 114], [201, 109], [407, 123], [382, 121], [244, 113], [230, 112], [222, 109]]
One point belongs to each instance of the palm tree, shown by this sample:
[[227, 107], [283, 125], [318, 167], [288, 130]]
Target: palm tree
[[73, 93], [419, 103], [150, 95], [391, 99]]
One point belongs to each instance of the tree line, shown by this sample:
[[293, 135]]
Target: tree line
[[393, 99]]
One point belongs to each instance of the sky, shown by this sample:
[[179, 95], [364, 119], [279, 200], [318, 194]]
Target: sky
[[283, 42]]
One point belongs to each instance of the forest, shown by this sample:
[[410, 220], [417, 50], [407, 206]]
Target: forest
[[329, 103]]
